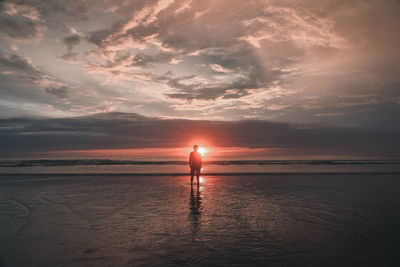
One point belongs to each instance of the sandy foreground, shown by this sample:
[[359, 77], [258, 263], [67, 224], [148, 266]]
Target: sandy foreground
[[276, 220]]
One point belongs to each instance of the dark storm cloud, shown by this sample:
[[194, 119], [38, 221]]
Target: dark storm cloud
[[128, 130]]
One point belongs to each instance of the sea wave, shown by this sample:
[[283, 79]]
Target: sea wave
[[85, 162]]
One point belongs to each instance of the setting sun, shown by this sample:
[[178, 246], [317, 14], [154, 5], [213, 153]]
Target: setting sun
[[202, 151]]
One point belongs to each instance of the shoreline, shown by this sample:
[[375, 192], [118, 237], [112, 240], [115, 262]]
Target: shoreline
[[206, 174]]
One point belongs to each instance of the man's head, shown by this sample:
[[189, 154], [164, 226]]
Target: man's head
[[195, 147]]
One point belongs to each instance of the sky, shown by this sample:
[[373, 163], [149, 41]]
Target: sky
[[330, 66]]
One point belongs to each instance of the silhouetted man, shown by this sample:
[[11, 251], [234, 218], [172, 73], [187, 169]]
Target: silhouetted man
[[195, 164]]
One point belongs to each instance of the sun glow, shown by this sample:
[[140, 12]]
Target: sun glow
[[202, 150]]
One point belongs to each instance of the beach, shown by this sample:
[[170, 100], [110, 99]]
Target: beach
[[310, 219], [284, 114]]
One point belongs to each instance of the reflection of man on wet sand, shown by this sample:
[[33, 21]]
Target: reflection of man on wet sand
[[195, 204], [195, 212], [195, 164]]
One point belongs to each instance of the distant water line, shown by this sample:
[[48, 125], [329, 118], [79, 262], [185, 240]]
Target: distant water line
[[180, 167], [82, 162]]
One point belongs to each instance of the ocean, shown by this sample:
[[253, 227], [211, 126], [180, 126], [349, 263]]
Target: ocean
[[153, 166], [140, 212]]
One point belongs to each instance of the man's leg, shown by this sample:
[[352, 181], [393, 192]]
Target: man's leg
[[198, 177], [191, 176]]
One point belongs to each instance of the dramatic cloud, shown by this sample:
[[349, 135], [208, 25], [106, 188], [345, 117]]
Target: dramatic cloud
[[21, 30], [20, 68], [14, 8], [302, 61], [71, 41], [20, 22], [259, 45]]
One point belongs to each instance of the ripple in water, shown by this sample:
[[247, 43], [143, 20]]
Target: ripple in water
[[283, 220]]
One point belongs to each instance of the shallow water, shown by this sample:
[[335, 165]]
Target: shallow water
[[180, 167], [273, 220]]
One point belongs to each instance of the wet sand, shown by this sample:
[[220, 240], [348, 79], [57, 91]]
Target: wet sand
[[273, 220]]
